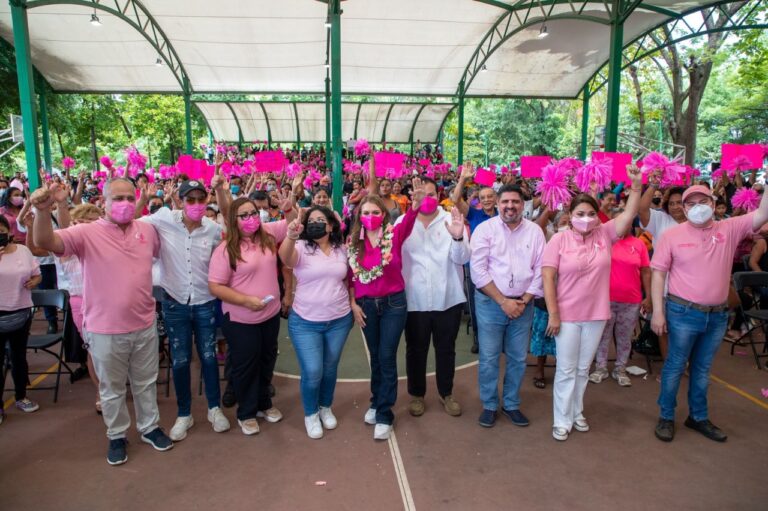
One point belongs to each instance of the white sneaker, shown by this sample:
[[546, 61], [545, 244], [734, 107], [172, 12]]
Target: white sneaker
[[314, 428], [249, 426], [581, 425], [329, 420], [271, 415], [560, 434], [382, 431], [370, 416], [219, 421], [180, 427]]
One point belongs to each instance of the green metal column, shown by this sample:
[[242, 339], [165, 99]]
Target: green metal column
[[188, 116], [584, 121], [614, 78], [460, 158], [26, 90], [45, 130], [335, 15], [327, 121]]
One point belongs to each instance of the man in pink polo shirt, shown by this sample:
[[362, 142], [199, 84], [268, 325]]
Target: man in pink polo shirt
[[697, 255], [118, 308]]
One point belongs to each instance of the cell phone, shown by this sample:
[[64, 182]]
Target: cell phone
[[268, 299]]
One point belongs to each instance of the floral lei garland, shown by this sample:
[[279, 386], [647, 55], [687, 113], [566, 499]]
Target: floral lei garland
[[367, 276]]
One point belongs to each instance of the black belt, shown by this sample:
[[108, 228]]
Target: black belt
[[507, 297], [701, 308]]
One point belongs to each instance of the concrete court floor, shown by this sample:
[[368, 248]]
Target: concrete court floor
[[55, 458]]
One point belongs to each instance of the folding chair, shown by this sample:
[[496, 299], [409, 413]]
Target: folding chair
[[756, 317], [58, 298], [159, 294]]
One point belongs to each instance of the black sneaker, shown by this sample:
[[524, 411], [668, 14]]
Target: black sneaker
[[665, 430], [228, 399], [157, 439], [117, 454], [517, 417], [78, 374], [487, 418], [707, 429]]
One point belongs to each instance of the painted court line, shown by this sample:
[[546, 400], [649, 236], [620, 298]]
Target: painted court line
[[394, 451], [738, 391], [32, 385]]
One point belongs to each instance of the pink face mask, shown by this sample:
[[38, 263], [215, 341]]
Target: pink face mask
[[250, 225], [584, 224], [428, 205], [17, 201], [195, 212], [371, 222], [122, 212]]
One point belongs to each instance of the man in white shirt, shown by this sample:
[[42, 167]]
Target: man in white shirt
[[657, 221], [187, 241], [433, 259]]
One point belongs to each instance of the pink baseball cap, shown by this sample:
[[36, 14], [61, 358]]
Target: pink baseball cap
[[697, 189]]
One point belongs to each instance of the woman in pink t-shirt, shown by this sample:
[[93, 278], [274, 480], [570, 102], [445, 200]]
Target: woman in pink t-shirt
[[19, 274], [630, 276], [320, 318], [243, 274], [576, 275], [378, 297]]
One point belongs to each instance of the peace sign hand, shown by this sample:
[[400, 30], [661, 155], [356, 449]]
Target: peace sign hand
[[418, 193]]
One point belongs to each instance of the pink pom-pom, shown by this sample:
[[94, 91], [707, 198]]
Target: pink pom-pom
[[136, 161], [596, 171], [307, 183], [362, 148], [107, 161], [553, 186], [68, 163], [746, 198], [571, 163], [293, 170], [671, 173], [740, 164]]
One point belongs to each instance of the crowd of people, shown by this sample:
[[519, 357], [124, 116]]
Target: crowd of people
[[409, 254]]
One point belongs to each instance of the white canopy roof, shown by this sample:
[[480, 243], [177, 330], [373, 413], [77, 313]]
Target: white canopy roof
[[376, 122], [393, 47]]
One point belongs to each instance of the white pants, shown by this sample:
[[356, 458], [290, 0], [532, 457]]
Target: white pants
[[118, 358], [576, 344]]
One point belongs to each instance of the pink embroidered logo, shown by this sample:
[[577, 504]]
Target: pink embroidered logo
[[140, 237], [718, 238], [600, 244]]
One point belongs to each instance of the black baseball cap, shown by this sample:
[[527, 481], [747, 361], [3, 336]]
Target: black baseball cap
[[190, 185]]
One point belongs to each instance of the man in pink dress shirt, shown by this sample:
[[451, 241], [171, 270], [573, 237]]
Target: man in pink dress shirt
[[506, 269], [697, 255], [118, 308]]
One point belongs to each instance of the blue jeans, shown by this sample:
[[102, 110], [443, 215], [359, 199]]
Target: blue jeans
[[497, 332], [694, 336], [318, 346], [181, 321], [384, 324]]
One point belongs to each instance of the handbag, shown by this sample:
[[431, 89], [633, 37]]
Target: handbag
[[647, 343], [14, 320]]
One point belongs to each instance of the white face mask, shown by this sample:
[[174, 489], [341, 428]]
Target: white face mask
[[700, 214], [264, 215]]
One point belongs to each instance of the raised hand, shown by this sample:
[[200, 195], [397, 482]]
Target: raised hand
[[217, 181], [218, 159], [418, 193], [295, 228], [635, 176], [284, 200], [468, 171], [43, 198], [456, 226]]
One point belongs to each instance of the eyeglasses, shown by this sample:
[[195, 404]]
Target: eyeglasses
[[249, 214], [193, 200]]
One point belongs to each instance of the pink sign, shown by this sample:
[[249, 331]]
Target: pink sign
[[389, 164], [270, 161], [485, 177], [185, 164], [530, 166], [753, 152], [619, 162]]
